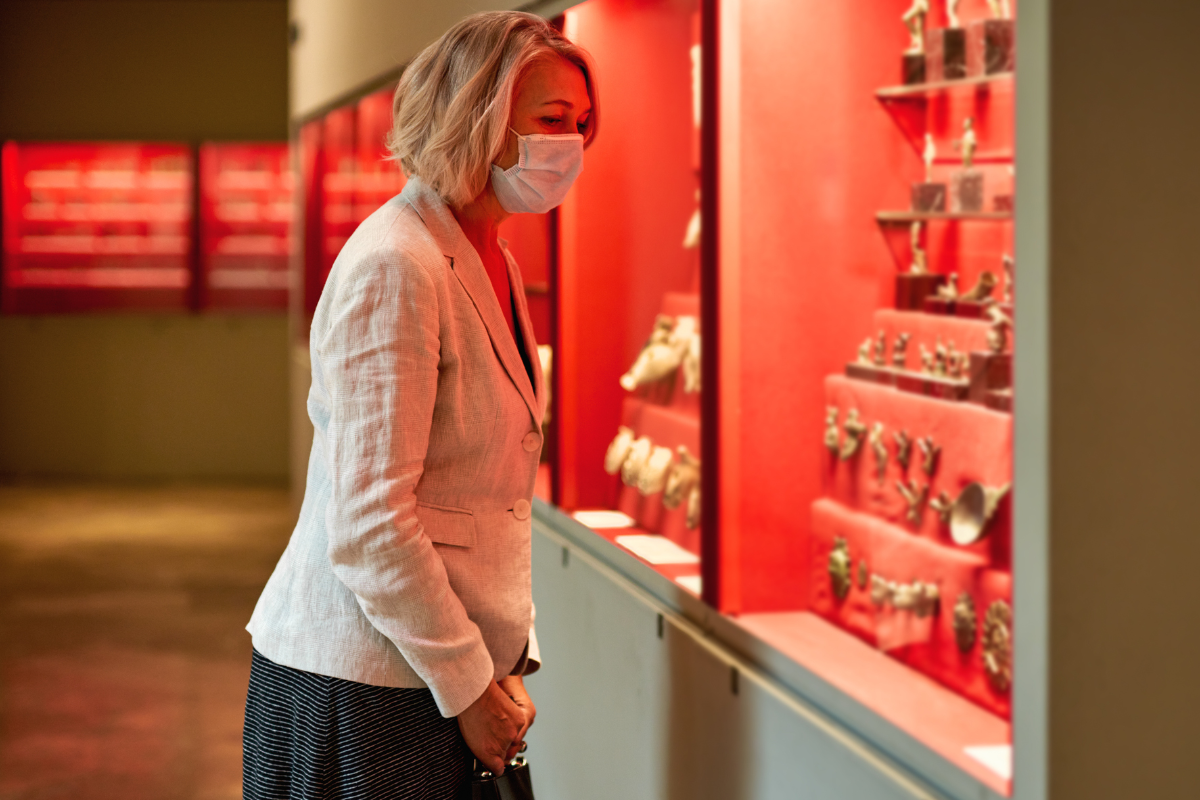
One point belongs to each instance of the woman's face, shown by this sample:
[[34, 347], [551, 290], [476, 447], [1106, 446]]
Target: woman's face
[[551, 98]]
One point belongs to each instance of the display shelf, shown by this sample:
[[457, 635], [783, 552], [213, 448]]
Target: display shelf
[[921, 91], [908, 217]]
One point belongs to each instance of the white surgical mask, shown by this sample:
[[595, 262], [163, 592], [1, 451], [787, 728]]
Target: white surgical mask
[[545, 169]]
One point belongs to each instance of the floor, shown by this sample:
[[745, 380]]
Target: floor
[[123, 659]]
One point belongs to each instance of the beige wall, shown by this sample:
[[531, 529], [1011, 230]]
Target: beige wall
[[343, 45], [139, 396]]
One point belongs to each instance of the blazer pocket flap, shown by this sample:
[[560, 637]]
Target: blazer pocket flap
[[446, 525]]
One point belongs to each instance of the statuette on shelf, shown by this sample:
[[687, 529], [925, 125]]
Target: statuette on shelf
[[949, 289], [914, 20], [965, 622], [928, 155], [881, 350], [940, 354], [900, 351], [982, 289], [928, 197], [997, 645], [915, 496], [966, 185], [919, 264], [653, 476], [618, 450], [903, 449], [880, 451], [683, 477], [942, 504], [691, 366], [832, 432], [662, 353], [839, 568], [855, 430], [952, 14], [973, 511], [956, 362], [864, 351], [999, 326], [639, 453], [927, 364], [930, 455], [968, 143]]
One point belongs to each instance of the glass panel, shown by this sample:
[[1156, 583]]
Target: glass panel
[[629, 449]]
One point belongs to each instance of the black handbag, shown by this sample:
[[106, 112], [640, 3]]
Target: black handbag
[[514, 784]]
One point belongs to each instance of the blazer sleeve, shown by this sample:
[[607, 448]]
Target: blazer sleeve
[[380, 356]]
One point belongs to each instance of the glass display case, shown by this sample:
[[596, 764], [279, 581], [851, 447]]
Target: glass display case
[[828, 200], [245, 226], [95, 226]]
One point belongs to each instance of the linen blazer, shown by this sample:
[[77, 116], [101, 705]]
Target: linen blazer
[[410, 563]]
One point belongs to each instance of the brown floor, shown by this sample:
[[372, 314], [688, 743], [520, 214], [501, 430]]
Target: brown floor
[[123, 659]]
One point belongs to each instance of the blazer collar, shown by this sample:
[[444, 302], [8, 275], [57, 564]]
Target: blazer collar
[[468, 268]]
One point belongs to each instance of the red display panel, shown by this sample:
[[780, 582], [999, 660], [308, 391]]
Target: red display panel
[[96, 226], [245, 226]]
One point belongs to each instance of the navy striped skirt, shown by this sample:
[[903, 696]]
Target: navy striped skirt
[[312, 737]]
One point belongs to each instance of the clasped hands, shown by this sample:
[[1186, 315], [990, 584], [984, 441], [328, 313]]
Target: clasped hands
[[494, 726]]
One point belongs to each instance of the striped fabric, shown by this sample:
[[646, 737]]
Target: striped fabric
[[312, 737]]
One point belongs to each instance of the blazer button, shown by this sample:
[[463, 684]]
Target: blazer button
[[531, 442], [521, 509]]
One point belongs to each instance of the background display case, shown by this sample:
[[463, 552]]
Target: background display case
[[245, 226], [95, 226], [857, 264]]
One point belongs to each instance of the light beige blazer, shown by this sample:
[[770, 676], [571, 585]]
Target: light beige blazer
[[410, 563]]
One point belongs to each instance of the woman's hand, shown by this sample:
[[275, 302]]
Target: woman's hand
[[514, 687], [492, 726]]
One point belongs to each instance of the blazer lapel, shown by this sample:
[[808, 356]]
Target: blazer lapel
[[525, 330], [468, 268]]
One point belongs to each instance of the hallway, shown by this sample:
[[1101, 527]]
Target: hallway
[[123, 659]]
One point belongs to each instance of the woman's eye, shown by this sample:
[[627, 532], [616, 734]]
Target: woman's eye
[[552, 120]]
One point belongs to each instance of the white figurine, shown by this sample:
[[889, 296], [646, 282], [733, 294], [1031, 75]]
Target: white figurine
[[928, 156], [663, 352], [639, 454], [919, 266], [653, 476], [683, 477], [691, 366], [914, 20], [618, 450], [952, 14], [968, 143]]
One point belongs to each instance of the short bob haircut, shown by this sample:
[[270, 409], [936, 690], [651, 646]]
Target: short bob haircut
[[451, 109]]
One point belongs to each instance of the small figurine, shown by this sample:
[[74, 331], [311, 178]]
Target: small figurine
[[939, 358], [839, 568], [952, 14], [930, 455], [997, 645], [914, 20], [653, 476], [639, 453], [974, 509], [949, 289], [864, 351], [684, 475], [915, 497], [999, 8], [927, 365], [1008, 278], [900, 351], [1001, 323], [832, 434], [955, 362], [928, 155], [881, 350], [663, 352], [964, 622], [903, 449], [982, 290], [691, 366], [880, 451], [968, 143], [855, 431], [942, 505], [919, 265], [618, 450]]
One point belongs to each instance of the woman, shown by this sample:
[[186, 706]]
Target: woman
[[391, 640]]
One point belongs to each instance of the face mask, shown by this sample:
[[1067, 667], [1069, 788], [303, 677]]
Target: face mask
[[545, 169]]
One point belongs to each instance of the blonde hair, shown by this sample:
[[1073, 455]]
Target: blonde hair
[[450, 114]]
